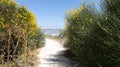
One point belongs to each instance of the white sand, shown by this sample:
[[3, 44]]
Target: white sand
[[51, 55]]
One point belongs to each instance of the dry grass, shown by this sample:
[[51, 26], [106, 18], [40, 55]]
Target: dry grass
[[24, 60], [8, 55]]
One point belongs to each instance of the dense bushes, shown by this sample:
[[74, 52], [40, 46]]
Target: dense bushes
[[37, 40], [18, 28], [94, 38]]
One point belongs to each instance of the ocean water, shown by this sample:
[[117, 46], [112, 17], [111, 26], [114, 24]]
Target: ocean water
[[52, 32]]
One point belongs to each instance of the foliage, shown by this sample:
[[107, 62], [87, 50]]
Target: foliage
[[17, 27], [94, 38], [37, 40]]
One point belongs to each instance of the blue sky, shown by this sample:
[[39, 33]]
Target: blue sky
[[50, 13]]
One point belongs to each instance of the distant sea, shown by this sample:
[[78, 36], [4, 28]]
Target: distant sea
[[52, 32]]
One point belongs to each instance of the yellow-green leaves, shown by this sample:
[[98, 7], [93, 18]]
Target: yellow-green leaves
[[90, 19], [2, 24], [12, 14]]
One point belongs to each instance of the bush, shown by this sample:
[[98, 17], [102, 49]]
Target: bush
[[37, 41], [17, 27], [94, 39]]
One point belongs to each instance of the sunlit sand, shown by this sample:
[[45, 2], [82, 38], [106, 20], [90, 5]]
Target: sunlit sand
[[52, 55]]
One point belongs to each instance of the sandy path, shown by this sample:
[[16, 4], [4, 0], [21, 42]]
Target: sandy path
[[52, 55]]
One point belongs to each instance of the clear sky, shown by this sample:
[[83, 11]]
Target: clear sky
[[50, 13]]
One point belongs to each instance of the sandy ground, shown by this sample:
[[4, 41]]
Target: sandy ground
[[52, 55]]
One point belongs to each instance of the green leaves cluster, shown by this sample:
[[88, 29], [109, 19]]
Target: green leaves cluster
[[94, 37]]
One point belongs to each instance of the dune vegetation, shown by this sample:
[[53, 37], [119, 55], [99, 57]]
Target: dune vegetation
[[93, 37], [19, 34]]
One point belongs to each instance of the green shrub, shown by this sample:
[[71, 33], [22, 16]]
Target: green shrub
[[94, 39], [38, 40], [79, 24]]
